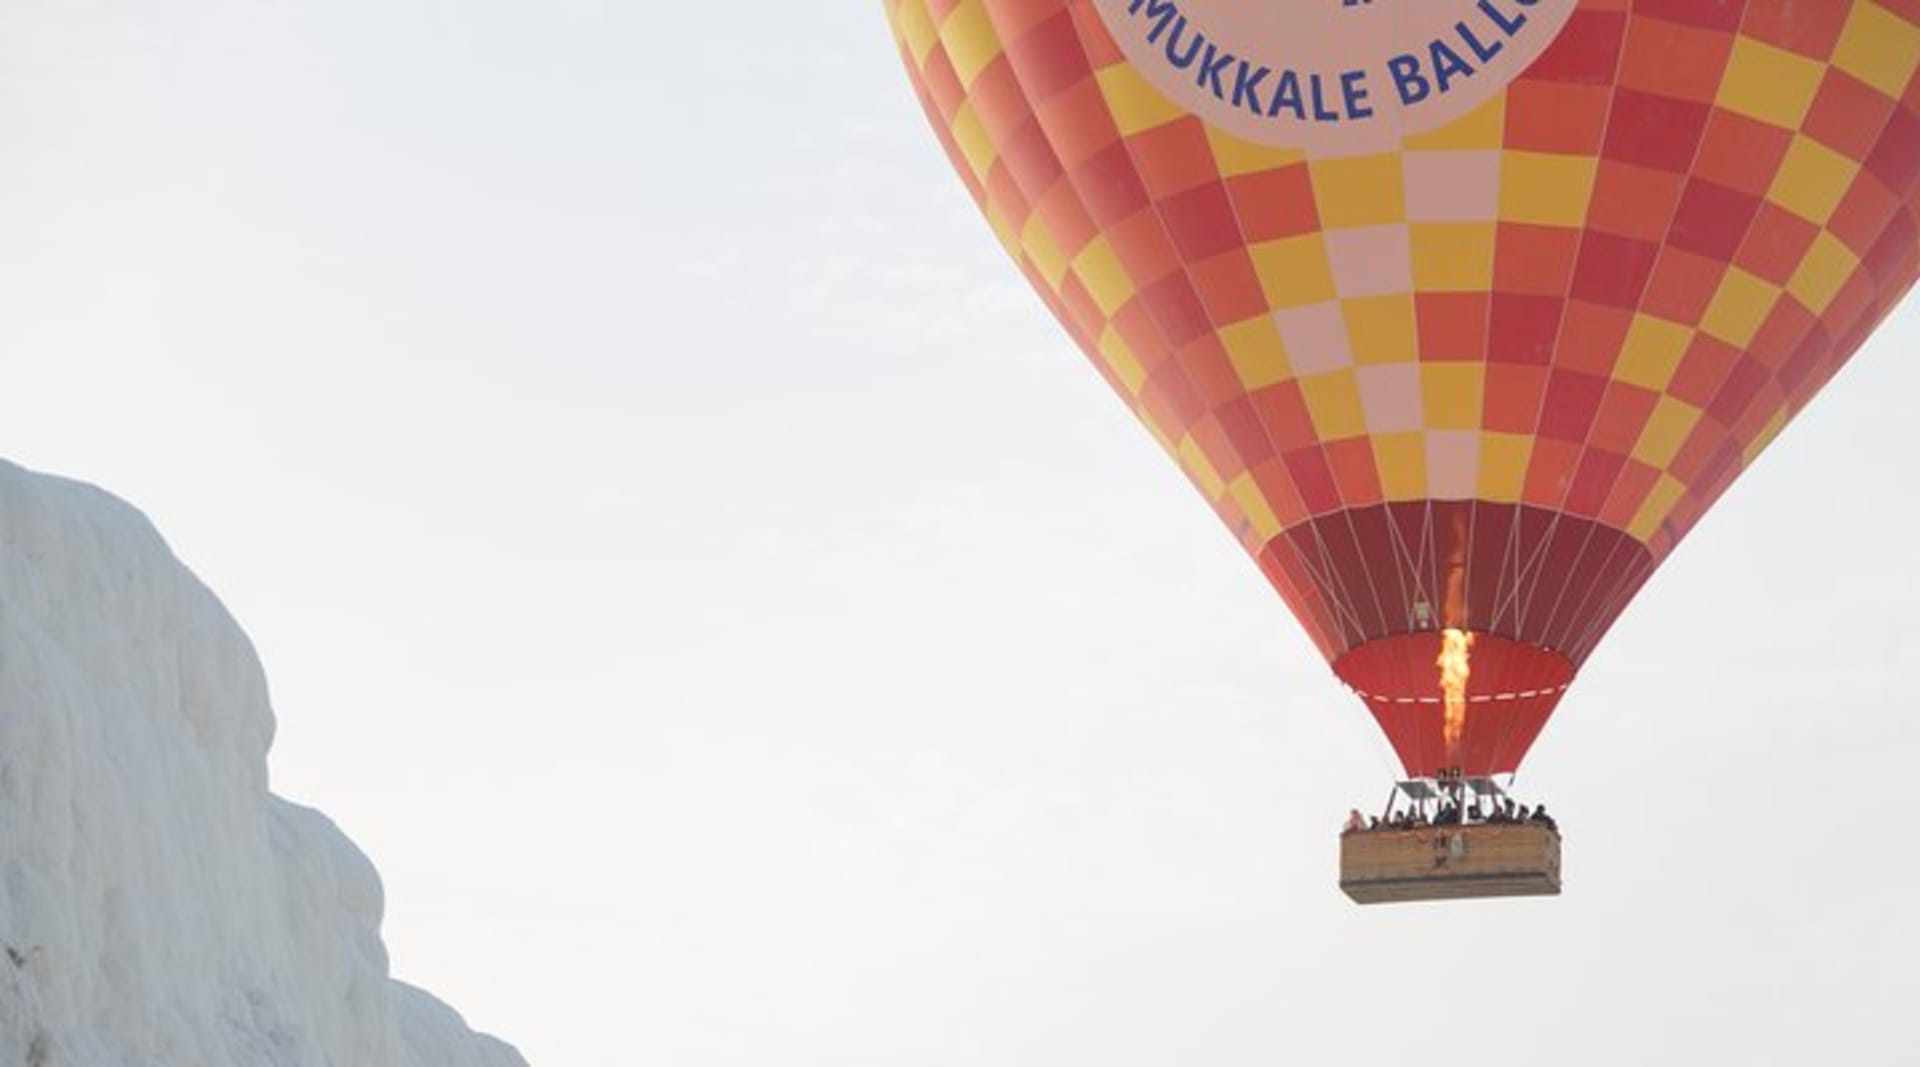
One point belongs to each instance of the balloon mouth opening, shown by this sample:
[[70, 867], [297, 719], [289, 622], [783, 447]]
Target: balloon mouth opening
[[1480, 721], [1401, 670]]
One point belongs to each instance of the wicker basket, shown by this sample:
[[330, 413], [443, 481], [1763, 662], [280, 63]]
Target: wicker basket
[[1450, 863]]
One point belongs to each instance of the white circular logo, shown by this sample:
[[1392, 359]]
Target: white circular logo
[[1332, 76]]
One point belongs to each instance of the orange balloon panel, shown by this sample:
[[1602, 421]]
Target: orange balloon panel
[[1460, 312]]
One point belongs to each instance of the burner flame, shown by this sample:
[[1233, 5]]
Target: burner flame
[[1456, 649]]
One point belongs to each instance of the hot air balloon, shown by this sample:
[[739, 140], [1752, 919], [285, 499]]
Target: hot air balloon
[[1460, 313]]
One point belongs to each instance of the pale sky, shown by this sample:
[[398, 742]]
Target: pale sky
[[743, 631]]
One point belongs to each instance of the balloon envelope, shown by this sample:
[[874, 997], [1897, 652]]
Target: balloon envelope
[[1459, 312]]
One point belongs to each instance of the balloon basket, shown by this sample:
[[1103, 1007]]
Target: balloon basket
[[1393, 866]]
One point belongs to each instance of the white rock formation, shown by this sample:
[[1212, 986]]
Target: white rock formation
[[158, 906]]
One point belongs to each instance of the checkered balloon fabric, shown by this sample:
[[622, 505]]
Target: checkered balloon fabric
[[1460, 314]]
